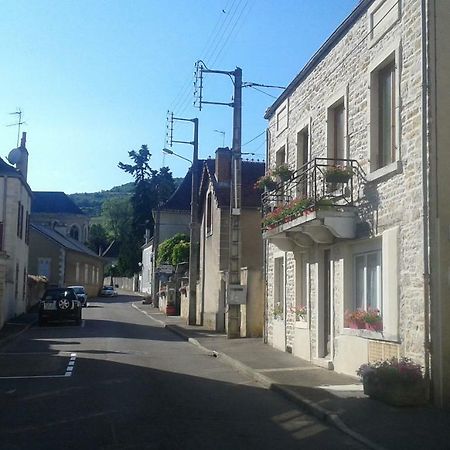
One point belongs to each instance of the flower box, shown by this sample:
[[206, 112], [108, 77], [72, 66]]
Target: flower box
[[283, 172], [338, 174], [364, 320], [395, 392], [397, 382]]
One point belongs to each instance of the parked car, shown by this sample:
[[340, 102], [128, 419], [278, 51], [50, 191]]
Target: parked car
[[81, 294], [59, 304], [108, 291]]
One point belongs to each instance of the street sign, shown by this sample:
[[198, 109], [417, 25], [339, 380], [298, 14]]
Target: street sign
[[165, 268], [237, 294]]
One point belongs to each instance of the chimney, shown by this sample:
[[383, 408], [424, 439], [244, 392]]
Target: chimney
[[223, 165], [22, 164]]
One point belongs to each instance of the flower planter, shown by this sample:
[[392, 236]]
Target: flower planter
[[337, 178], [356, 325], [396, 392], [377, 326], [171, 310]]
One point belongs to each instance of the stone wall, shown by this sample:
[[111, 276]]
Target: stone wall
[[392, 200]]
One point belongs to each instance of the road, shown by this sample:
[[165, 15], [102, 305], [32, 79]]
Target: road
[[121, 381]]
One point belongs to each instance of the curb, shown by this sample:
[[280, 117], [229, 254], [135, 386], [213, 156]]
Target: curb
[[6, 340], [306, 405]]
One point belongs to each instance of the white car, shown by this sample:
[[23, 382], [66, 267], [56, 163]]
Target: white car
[[107, 291], [81, 294]]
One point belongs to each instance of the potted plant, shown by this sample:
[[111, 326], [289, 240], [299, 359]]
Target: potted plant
[[338, 174], [183, 290], [300, 313], [398, 382], [266, 182], [278, 311], [362, 319], [283, 172]]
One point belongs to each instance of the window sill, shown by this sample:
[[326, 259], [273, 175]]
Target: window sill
[[302, 324], [385, 172], [368, 334]]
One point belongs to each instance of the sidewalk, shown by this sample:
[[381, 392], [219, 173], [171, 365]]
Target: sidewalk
[[335, 398]]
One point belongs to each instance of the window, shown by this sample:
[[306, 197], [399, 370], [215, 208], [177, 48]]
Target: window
[[367, 280], [302, 159], [16, 284], [74, 232], [279, 286], [44, 267], [280, 157], [386, 115], [19, 209], [384, 136], [209, 214], [27, 228], [282, 119]]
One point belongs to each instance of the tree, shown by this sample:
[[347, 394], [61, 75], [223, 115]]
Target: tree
[[118, 216], [171, 252], [98, 240], [151, 189]]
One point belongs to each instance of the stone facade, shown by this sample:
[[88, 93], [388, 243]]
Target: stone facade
[[15, 196], [390, 206]]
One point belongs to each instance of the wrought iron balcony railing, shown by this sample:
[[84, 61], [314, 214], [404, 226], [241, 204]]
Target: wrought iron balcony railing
[[322, 183]]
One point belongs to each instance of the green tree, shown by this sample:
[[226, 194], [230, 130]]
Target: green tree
[[166, 249], [151, 189], [98, 240], [118, 216]]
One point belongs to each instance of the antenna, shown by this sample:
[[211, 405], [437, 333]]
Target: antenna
[[18, 124]]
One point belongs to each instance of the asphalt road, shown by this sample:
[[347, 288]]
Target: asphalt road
[[120, 381]]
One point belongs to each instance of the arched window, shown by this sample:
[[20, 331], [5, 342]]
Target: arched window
[[74, 232]]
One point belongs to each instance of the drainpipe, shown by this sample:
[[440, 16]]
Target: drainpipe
[[425, 187]]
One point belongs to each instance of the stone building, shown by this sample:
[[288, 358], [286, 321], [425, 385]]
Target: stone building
[[214, 216], [362, 223], [15, 205], [56, 210]]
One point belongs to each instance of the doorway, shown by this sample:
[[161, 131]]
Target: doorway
[[326, 316]]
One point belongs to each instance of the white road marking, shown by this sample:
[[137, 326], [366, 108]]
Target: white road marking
[[70, 365], [160, 322]]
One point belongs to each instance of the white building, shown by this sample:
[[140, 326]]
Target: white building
[[15, 204], [373, 101]]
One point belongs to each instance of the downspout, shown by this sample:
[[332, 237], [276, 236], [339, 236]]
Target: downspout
[[425, 188]]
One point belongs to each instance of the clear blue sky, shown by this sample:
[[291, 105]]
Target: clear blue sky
[[94, 78]]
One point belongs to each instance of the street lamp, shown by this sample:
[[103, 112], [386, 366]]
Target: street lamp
[[112, 274], [171, 152]]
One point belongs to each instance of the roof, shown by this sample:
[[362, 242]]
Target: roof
[[351, 19], [54, 202], [180, 200], [250, 172], [10, 171], [65, 241], [6, 169]]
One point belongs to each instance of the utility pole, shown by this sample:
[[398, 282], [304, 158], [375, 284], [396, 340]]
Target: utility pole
[[194, 253], [235, 292]]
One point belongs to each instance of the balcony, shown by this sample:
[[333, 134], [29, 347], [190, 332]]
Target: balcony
[[315, 204]]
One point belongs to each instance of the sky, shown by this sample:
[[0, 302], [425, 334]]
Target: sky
[[94, 79]]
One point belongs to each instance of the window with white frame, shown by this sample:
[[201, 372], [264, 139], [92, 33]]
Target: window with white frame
[[383, 113], [367, 280], [209, 213]]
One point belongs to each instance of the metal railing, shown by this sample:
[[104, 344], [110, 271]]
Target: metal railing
[[321, 181]]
